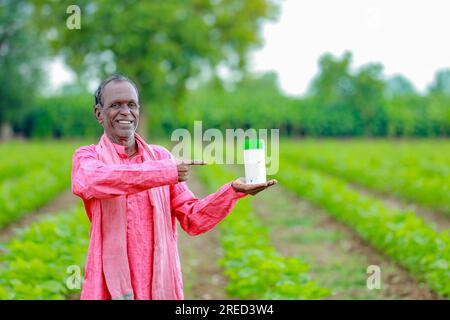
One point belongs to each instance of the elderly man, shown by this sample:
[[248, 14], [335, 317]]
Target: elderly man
[[133, 192]]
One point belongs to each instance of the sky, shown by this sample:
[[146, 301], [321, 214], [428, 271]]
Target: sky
[[408, 37]]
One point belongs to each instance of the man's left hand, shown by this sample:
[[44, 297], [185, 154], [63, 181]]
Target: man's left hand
[[252, 189]]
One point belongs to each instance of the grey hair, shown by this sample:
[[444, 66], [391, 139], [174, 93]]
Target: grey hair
[[115, 77]]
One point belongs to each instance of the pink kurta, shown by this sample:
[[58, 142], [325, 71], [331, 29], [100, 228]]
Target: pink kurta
[[92, 180]]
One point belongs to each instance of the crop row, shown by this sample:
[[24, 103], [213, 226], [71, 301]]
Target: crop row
[[31, 175], [254, 268], [30, 191], [403, 236], [44, 260], [21, 158], [414, 173]]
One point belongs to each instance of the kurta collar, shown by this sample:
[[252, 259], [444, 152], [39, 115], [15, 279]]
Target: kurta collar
[[120, 149]]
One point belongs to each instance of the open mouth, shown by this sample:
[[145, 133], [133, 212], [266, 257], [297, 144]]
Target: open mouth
[[125, 121]]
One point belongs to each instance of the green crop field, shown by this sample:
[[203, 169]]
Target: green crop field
[[340, 207]]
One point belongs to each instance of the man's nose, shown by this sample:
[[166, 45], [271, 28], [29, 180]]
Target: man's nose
[[124, 109]]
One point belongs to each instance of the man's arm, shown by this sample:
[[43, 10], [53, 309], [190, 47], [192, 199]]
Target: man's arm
[[198, 216], [92, 178]]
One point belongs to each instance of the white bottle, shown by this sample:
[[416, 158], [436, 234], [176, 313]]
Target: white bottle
[[255, 161]]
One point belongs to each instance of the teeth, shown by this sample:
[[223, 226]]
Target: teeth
[[126, 122]]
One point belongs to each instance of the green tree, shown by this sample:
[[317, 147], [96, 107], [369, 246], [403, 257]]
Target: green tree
[[397, 86], [333, 82], [441, 83], [438, 107], [367, 99], [352, 100], [160, 44], [21, 55]]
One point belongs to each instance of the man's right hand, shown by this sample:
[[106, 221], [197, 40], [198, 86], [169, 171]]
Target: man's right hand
[[183, 167]]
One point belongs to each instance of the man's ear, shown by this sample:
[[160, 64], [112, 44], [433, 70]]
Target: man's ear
[[98, 113]]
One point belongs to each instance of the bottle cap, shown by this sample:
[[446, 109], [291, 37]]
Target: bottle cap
[[253, 144]]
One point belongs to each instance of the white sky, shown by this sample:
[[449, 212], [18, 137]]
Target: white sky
[[410, 37], [59, 74]]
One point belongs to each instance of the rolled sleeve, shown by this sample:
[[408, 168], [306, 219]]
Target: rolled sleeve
[[91, 178]]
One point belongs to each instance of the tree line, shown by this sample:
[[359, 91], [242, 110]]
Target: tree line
[[339, 103], [168, 47]]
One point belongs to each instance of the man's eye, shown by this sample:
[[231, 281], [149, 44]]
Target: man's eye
[[132, 104], [115, 105]]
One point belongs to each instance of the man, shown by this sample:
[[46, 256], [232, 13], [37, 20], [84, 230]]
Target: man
[[133, 193]]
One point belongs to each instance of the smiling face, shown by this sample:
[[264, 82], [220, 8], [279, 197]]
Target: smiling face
[[119, 113]]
